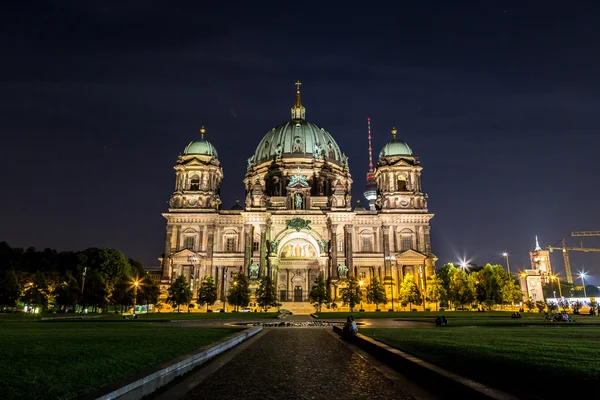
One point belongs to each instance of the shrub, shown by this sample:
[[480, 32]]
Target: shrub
[[427, 309], [361, 310], [390, 310], [209, 310], [414, 309], [377, 310]]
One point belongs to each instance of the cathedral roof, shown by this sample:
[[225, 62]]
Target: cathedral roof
[[201, 146], [297, 138], [395, 147]]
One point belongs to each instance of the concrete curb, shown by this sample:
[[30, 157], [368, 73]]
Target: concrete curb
[[434, 378], [148, 381]]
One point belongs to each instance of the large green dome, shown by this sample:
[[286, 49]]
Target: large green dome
[[395, 148], [297, 138]]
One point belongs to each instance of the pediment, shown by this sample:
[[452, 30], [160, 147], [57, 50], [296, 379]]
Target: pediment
[[182, 255], [299, 185], [411, 256]]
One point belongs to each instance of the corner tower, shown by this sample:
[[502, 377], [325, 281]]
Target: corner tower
[[198, 176]]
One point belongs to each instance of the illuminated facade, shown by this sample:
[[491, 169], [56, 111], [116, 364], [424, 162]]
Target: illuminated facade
[[540, 273], [297, 220]]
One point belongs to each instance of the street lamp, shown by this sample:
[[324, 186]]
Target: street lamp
[[555, 277], [135, 287], [361, 283], [505, 254], [582, 275]]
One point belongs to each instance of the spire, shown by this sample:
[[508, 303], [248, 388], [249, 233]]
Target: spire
[[537, 244], [298, 112], [202, 131], [370, 149], [394, 131]]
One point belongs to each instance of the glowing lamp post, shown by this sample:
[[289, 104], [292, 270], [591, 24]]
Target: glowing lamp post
[[505, 255], [582, 275], [555, 277], [361, 283], [135, 287]]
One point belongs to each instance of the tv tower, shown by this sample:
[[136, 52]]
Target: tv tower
[[371, 188]]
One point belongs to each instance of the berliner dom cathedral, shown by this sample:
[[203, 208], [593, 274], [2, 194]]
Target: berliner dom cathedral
[[297, 219]]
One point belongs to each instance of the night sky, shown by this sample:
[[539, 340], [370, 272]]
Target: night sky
[[500, 101]]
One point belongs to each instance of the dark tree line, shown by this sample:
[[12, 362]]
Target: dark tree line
[[64, 280]]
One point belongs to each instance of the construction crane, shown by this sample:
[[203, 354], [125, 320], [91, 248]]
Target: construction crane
[[586, 233], [565, 250]]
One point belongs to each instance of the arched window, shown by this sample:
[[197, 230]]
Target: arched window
[[406, 240], [195, 183], [189, 242], [401, 184]]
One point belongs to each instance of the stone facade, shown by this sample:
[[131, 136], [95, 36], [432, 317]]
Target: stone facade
[[532, 280], [297, 221]]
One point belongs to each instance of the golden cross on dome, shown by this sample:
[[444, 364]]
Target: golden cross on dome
[[298, 83]]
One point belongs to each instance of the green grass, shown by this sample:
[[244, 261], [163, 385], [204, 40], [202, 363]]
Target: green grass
[[22, 317], [529, 362], [463, 318], [63, 360]]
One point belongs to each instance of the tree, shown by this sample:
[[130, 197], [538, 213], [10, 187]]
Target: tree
[[122, 293], [541, 305], [488, 290], [576, 305], [95, 291], [239, 292], [409, 291], [510, 289], [67, 292], [444, 273], [179, 292], [318, 293], [10, 291], [352, 293], [591, 291], [462, 288], [36, 294], [266, 294], [530, 304], [207, 292], [376, 293], [435, 290], [148, 292]]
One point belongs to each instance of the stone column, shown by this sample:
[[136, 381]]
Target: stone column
[[210, 243], [263, 249], [248, 241], [386, 251], [333, 249], [166, 265], [348, 229]]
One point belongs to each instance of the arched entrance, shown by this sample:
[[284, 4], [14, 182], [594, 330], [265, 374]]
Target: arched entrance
[[298, 265]]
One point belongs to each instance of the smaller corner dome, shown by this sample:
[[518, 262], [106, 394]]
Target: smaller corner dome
[[201, 147], [395, 148]]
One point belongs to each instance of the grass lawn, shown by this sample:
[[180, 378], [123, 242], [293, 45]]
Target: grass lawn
[[463, 318], [529, 362], [63, 360], [22, 317]]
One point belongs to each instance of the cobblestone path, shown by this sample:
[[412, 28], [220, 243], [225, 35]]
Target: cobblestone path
[[297, 363]]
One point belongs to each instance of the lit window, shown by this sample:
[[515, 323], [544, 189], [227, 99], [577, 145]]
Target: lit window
[[195, 183], [340, 247], [230, 245], [188, 243], [405, 242], [363, 275], [366, 244]]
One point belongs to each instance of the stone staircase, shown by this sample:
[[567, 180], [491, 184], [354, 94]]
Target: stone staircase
[[298, 308]]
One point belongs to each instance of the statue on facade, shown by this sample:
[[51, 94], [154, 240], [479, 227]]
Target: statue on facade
[[342, 271], [321, 188], [254, 271], [324, 245], [274, 244], [298, 201]]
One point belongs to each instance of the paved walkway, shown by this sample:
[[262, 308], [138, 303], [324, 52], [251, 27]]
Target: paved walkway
[[289, 363]]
